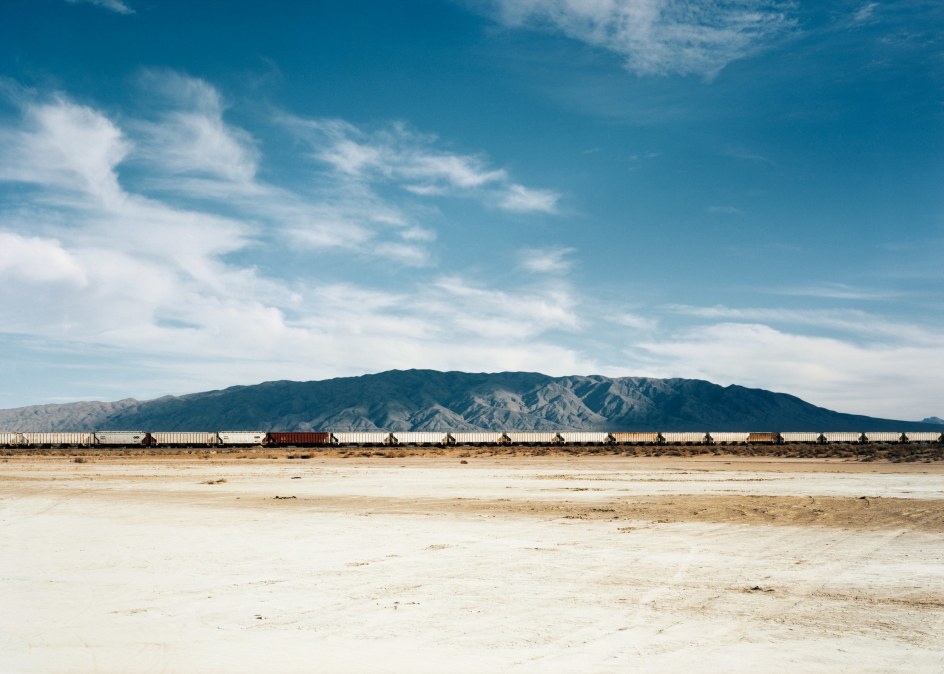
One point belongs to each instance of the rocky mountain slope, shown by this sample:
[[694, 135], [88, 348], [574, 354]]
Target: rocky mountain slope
[[81, 416], [431, 400]]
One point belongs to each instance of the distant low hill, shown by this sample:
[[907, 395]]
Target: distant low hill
[[430, 400]]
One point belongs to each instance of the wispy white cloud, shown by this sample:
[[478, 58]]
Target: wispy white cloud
[[65, 146], [485, 312], [659, 37], [37, 260], [864, 13], [114, 5], [189, 135], [635, 321], [836, 373], [747, 154], [835, 291], [523, 199], [396, 153], [861, 324], [414, 162], [547, 260], [328, 230], [199, 154], [844, 359]]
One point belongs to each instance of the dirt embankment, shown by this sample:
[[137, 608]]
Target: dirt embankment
[[864, 513]]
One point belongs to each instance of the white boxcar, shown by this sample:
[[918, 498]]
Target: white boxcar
[[242, 437], [585, 437], [9, 438], [184, 439], [800, 436], [685, 438], [533, 438], [633, 438], [420, 437], [883, 436], [363, 438], [120, 438], [923, 436], [476, 437], [843, 436], [729, 437], [57, 439]]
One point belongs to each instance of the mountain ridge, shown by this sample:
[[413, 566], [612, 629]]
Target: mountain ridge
[[402, 400]]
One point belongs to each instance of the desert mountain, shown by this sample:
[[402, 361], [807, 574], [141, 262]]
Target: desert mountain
[[431, 400]]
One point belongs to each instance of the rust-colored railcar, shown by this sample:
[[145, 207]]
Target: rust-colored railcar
[[299, 439]]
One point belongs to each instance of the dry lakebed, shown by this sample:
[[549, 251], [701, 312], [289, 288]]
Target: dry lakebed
[[489, 564]]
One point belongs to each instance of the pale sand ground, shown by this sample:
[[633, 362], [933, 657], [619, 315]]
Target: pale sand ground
[[516, 564]]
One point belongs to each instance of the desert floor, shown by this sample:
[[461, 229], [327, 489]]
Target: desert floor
[[488, 564]]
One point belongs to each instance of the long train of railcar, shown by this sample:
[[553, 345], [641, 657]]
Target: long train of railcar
[[247, 439]]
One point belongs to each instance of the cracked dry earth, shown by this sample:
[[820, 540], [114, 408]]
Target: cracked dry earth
[[514, 564]]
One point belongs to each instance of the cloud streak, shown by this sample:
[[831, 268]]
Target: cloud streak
[[659, 37], [547, 260], [65, 146], [189, 135], [114, 5], [396, 155], [854, 322]]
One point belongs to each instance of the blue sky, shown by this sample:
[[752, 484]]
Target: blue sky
[[200, 194]]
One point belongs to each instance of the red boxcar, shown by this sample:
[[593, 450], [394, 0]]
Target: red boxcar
[[299, 439]]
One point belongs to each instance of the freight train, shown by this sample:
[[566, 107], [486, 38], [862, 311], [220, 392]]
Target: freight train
[[245, 439]]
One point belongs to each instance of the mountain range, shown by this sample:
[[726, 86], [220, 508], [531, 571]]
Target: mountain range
[[430, 400]]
